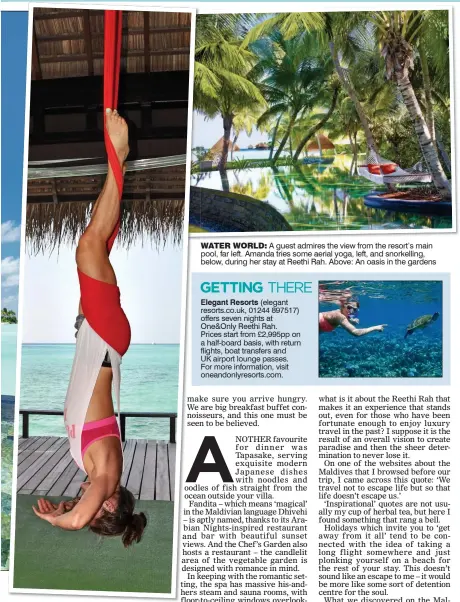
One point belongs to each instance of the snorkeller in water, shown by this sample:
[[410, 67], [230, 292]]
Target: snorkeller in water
[[346, 317]]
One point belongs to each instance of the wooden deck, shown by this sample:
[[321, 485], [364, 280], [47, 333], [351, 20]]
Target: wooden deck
[[46, 468]]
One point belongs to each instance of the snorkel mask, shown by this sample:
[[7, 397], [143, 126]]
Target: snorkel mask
[[353, 309]]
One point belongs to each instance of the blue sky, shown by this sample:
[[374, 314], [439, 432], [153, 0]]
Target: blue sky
[[149, 280], [13, 74]]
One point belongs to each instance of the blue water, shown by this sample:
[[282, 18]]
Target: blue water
[[248, 153], [387, 353], [9, 336], [313, 197], [149, 383]]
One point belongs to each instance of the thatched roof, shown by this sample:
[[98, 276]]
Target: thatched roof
[[70, 42], [324, 141], [58, 209], [66, 121], [219, 145]]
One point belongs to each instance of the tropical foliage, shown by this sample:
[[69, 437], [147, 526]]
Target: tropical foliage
[[222, 67], [9, 316], [371, 80]]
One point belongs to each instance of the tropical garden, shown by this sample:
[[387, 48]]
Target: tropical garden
[[374, 85]]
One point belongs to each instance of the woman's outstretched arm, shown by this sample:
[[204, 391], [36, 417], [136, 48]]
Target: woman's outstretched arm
[[360, 332], [100, 489]]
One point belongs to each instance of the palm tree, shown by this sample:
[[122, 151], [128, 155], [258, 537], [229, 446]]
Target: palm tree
[[345, 123], [290, 78], [432, 42], [329, 29], [284, 130], [338, 27], [221, 85], [9, 316], [398, 33], [322, 121], [244, 121], [272, 127]]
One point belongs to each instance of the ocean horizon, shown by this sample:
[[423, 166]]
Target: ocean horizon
[[149, 383]]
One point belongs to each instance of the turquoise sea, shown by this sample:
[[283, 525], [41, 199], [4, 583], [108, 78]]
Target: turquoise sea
[[149, 383], [9, 335]]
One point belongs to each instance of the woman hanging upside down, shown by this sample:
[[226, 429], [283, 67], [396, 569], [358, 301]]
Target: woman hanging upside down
[[103, 336]]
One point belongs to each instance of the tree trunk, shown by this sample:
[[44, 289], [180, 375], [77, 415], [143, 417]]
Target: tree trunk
[[355, 150], [428, 95], [285, 137], [346, 83], [274, 137], [423, 134], [352, 147], [224, 180], [336, 205], [442, 151], [228, 123], [312, 131], [235, 138]]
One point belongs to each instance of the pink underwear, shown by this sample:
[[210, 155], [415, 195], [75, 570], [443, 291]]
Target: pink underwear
[[98, 429]]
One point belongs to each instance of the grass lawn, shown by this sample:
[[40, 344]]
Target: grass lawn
[[50, 558]]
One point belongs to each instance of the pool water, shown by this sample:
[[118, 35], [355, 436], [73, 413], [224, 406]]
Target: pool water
[[317, 197]]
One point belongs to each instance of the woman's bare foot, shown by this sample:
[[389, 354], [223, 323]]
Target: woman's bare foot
[[118, 133]]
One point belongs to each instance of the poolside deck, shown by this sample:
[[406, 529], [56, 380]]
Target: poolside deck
[[46, 468]]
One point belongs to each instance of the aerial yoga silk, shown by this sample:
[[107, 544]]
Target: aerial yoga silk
[[105, 328]]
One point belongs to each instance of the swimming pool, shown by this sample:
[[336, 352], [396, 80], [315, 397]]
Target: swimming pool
[[316, 197]]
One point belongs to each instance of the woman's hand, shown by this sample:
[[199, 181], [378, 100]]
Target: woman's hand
[[84, 509], [380, 327], [49, 511]]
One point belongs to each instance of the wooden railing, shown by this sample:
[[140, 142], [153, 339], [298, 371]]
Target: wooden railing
[[123, 416]]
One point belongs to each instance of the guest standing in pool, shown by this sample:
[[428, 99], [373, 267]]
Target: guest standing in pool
[[105, 506], [346, 317]]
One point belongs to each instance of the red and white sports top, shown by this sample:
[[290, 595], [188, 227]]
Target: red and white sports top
[[89, 355]]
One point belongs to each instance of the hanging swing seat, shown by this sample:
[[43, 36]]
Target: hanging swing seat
[[381, 171]]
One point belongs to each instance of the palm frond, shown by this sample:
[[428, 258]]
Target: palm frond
[[264, 28], [272, 111], [296, 23], [206, 82]]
